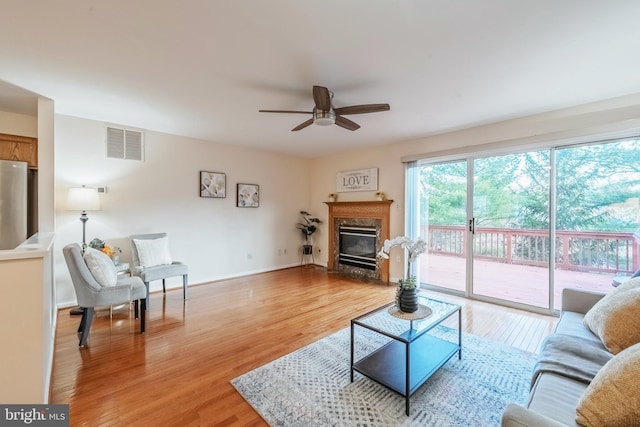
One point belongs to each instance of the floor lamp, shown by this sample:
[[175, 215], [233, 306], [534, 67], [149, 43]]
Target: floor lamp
[[82, 199]]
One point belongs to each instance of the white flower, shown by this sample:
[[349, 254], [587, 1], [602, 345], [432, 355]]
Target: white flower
[[415, 248]]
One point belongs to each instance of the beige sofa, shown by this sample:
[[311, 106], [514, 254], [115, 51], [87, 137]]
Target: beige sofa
[[575, 367]]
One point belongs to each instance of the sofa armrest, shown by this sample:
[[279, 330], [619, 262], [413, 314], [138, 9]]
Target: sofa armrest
[[519, 416], [579, 300]]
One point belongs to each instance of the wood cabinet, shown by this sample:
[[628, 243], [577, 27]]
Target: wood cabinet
[[21, 148]]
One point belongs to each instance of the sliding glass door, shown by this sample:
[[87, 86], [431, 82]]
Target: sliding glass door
[[598, 215], [510, 228], [443, 219], [518, 228], [488, 236]]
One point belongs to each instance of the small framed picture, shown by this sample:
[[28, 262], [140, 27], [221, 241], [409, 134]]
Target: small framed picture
[[213, 184], [248, 196]]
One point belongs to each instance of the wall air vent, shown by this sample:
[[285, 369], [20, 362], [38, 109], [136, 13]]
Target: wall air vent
[[124, 144]]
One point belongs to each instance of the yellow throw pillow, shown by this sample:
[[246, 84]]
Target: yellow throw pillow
[[613, 397], [615, 319], [628, 284]]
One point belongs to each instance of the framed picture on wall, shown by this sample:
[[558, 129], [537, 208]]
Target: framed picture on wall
[[357, 180], [213, 184], [248, 195]]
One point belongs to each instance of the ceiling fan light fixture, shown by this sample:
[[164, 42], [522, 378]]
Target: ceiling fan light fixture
[[324, 118], [324, 114]]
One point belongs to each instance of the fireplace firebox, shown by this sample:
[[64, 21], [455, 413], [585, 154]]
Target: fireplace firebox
[[357, 246]]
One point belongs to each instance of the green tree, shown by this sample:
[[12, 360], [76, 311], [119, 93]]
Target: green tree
[[443, 189], [593, 178], [513, 190]]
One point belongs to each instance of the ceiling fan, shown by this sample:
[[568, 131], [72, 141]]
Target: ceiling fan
[[324, 114]]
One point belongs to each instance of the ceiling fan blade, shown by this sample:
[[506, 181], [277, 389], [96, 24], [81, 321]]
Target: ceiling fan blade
[[285, 111], [302, 125], [322, 98], [346, 123], [362, 109]]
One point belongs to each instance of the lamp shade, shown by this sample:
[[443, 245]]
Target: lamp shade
[[83, 199]]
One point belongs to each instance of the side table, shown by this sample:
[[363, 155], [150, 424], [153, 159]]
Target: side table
[[412, 354], [123, 269], [307, 252]]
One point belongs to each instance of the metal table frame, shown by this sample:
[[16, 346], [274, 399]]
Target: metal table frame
[[424, 353]]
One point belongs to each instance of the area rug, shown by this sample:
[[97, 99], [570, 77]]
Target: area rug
[[311, 386]]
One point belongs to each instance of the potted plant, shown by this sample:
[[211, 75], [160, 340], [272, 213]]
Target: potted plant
[[407, 292], [308, 226]]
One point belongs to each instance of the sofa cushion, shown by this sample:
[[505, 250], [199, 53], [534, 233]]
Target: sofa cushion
[[556, 396], [571, 323], [614, 319], [101, 267], [612, 398], [138, 289], [152, 252]]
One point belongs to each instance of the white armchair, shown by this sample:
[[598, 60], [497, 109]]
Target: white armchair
[[97, 285], [152, 261]]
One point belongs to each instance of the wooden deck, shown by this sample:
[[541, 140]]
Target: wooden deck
[[519, 283]]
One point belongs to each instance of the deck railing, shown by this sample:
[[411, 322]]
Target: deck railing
[[575, 250]]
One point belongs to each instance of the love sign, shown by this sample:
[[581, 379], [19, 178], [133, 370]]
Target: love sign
[[357, 180]]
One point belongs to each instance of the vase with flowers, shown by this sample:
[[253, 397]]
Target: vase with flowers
[[407, 292], [112, 252]]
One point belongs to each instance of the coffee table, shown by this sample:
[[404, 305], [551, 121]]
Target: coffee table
[[411, 354]]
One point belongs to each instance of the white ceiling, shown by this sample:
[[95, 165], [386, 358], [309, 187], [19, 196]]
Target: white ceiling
[[203, 68]]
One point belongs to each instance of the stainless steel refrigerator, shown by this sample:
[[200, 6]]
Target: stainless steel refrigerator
[[13, 203]]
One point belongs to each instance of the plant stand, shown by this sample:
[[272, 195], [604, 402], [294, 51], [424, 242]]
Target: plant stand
[[307, 254]]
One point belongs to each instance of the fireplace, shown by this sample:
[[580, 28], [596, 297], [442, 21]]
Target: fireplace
[[356, 233], [357, 246]]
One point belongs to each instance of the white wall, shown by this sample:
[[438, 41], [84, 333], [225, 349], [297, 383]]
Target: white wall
[[46, 166], [18, 124], [214, 237], [588, 122]]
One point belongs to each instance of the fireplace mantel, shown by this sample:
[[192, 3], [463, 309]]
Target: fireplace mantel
[[374, 210]]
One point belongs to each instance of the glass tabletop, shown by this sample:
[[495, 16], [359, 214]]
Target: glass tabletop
[[380, 320]]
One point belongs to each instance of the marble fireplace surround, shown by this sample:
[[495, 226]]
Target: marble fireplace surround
[[365, 214]]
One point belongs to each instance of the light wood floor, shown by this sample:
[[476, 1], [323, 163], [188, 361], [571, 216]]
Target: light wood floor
[[178, 372]]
